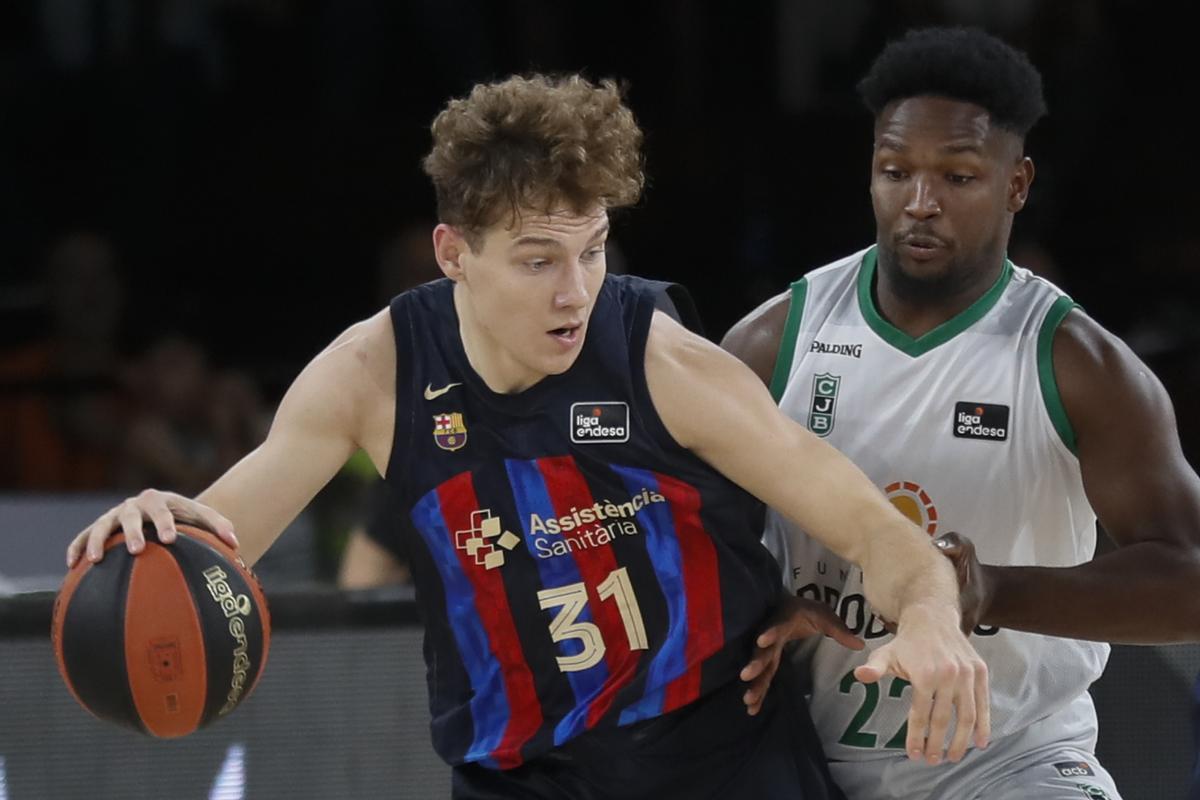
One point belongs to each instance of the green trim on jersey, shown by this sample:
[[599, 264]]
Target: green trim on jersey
[[787, 345], [1045, 364], [942, 333]]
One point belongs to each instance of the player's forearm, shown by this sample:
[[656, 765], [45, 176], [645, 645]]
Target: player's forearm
[[903, 575], [840, 507], [264, 492], [1144, 593]]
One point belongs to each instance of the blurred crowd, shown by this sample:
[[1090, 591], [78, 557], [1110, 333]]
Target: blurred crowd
[[84, 410]]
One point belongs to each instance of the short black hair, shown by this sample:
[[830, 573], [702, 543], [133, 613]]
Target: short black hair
[[965, 64]]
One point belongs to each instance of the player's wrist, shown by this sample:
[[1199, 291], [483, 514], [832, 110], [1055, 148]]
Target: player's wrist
[[928, 613], [990, 579]]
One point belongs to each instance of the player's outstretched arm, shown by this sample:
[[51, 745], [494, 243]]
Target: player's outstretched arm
[[715, 406], [339, 401], [1144, 492]]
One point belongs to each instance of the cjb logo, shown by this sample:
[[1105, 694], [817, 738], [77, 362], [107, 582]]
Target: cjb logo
[[824, 403]]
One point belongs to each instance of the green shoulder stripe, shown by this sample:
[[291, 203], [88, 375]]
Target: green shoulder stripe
[[787, 345], [1045, 358]]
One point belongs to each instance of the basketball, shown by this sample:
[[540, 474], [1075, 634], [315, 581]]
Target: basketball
[[164, 642]]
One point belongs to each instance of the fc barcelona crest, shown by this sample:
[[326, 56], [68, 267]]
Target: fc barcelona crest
[[449, 431], [824, 403]]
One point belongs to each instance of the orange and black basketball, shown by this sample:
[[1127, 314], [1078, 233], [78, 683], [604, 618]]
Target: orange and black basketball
[[166, 641]]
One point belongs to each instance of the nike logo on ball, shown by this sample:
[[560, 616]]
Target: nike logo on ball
[[432, 394]]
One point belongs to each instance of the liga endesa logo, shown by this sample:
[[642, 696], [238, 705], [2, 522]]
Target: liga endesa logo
[[985, 421], [235, 607], [604, 422]]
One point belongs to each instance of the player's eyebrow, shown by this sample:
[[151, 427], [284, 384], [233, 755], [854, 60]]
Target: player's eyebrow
[[956, 148], [548, 241], [600, 233], [890, 143], [530, 239]]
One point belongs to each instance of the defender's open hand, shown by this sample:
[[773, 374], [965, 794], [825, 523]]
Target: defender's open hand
[[795, 618]]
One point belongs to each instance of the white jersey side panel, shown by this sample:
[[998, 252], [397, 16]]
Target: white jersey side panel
[[954, 429]]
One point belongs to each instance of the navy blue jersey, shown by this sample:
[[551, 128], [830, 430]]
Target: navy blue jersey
[[575, 566]]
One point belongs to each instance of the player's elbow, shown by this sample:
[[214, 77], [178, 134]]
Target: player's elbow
[[1186, 560]]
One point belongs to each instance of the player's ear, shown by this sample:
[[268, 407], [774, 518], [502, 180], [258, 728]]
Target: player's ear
[[1018, 185], [449, 244]]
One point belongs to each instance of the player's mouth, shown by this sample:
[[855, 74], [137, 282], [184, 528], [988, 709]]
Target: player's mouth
[[569, 335], [921, 247]]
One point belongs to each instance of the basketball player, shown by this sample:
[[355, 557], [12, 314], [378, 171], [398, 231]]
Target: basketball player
[[979, 398], [573, 461]]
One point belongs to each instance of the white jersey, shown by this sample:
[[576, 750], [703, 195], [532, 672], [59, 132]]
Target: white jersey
[[963, 429]]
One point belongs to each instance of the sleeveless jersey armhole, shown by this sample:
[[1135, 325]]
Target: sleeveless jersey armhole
[[675, 301], [1045, 367], [787, 344], [639, 335], [403, 423]]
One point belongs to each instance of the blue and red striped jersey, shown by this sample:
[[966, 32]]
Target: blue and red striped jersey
[[575, 566]]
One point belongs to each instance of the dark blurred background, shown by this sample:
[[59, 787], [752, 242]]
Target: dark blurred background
[[248, 160]]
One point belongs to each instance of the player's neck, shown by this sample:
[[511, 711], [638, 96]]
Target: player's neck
[[916, 307], [501, 372]]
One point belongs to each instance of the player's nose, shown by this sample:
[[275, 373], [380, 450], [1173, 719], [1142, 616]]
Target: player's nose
[[923, 201], [572, 291]]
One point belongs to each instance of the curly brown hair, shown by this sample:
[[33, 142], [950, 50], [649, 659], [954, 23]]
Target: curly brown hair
[[533, 143]]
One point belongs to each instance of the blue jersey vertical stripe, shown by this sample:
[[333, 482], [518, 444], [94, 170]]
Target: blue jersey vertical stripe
[[533, 497], [662, 544], [489, 703]]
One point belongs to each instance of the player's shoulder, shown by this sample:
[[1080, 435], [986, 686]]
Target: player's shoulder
[[1082, 344], [756, 337], [358, 365], [372, 345], [1099, 376]]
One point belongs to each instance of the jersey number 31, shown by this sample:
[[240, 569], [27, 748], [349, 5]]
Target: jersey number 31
[[572, 599]]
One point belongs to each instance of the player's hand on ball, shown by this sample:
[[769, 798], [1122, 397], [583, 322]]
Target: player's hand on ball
[[949, 684], [795, 618], [974, 586], [160, 509]]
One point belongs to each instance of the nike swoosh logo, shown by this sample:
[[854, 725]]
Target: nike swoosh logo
[[432, 394]]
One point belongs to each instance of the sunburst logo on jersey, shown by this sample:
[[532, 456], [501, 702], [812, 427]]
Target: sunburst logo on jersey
[[914, 503]]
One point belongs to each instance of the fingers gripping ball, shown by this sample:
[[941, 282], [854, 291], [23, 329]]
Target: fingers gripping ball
[[164, 642]]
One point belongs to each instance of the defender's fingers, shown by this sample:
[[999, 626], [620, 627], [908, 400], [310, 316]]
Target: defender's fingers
[[837, 630], [755, 667], [754, 696], [768, 637]]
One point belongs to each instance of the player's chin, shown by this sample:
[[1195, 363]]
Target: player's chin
[[925, 264], [559, 363]]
